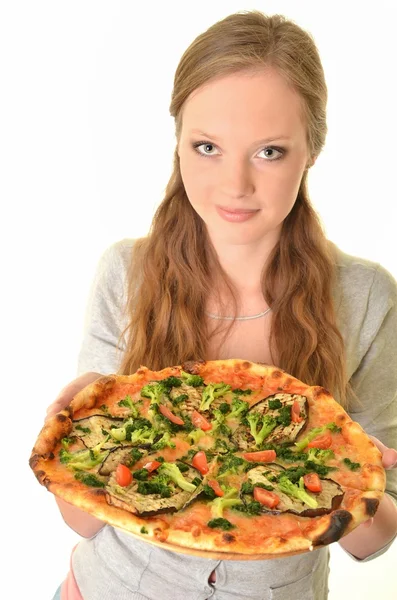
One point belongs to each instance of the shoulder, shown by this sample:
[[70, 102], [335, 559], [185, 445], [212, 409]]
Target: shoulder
[[366, 294], [117, 254], [363, 280]]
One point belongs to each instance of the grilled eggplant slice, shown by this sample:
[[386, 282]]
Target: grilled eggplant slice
[[92, 430], [130, 499], [116, 456], [328, 499], [282, 434]]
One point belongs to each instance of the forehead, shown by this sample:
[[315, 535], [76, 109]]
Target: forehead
[[244, 102]]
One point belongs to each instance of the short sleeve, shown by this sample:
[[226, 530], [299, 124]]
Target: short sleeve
[[375, 380], [102, 349]]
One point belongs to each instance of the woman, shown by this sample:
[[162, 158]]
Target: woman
[[236, 266]]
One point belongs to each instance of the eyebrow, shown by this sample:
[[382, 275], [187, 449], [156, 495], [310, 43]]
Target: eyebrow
[[261, 141]]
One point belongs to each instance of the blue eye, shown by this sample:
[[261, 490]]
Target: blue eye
[[204, 148], [272, 149]]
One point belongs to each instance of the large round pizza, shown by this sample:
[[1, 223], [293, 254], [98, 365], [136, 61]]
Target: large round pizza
[[222, 459]]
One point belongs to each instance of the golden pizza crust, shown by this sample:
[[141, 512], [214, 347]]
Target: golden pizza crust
[[358, 505]]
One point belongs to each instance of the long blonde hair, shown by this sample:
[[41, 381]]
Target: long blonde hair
[[176, 265]]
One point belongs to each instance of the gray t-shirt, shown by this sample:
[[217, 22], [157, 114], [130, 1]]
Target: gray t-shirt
[[115, 565]]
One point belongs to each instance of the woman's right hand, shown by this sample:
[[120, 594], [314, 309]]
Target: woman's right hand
[[68, 392], [81, 522]]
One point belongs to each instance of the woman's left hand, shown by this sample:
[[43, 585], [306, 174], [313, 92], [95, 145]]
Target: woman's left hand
[[389, 461], [389, 455]]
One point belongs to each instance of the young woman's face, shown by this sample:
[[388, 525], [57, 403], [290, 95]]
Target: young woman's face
[[243, 151]]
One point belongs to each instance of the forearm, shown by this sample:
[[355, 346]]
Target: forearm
[[78, 520], [364, 541]]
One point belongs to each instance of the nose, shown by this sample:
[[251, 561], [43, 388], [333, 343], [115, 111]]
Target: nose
[[236, 179]]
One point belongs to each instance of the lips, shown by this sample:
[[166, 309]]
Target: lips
[[236, 215]]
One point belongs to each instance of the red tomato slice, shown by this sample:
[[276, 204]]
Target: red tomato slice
[[216, 487], [261, 456], [312, 482], [199, 421], [295, 412], [170, 415], [123, 475], [323, 441], [200, 462], [152, 465], [269, 499]]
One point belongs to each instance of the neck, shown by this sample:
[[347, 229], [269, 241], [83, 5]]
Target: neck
[[245, 263]]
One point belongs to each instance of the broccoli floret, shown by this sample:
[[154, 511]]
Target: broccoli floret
[[154, 391], [212, 391], [84, 459], [120, 433], [297, 491], [247, 488], [183, 467], [66, 441], [353, 466], [180, 398], [154, 487], [133, 457], [83, 429], [241, 392], [195, 435], [164, 442], [208, 491], [130, 428], [285, 453], [192, 380], [171, 471], [251, 508], [284, 416], [218, 424], [224, 408], [128, 403], [239, 408], [171, 382], [89, 479], [265, 424], [141, 475], [319, 456], [220, 524], [222, 447], [230, 464], [143, 436], [228, 500], [274, 404]]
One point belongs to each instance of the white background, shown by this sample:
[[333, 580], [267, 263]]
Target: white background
[[86, 146]]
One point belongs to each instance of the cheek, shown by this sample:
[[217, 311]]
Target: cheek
[[196, 181]]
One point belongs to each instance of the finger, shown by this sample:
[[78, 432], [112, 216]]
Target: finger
[[368, 523], [389, 458], [378, 443]]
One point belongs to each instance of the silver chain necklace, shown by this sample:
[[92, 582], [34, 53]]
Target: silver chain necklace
[[220, 318]]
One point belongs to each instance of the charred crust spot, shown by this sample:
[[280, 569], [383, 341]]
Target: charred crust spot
[[160, 535], [98, 492], [192, 366], [61, 417], [228, 538], [244, 365], [276, 374], [282, 540], [339, 522], [321, 391], [196, 531], [371, 506], [33, 460], [42, 478]]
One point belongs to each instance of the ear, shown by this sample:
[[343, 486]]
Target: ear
[[311, 162]]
